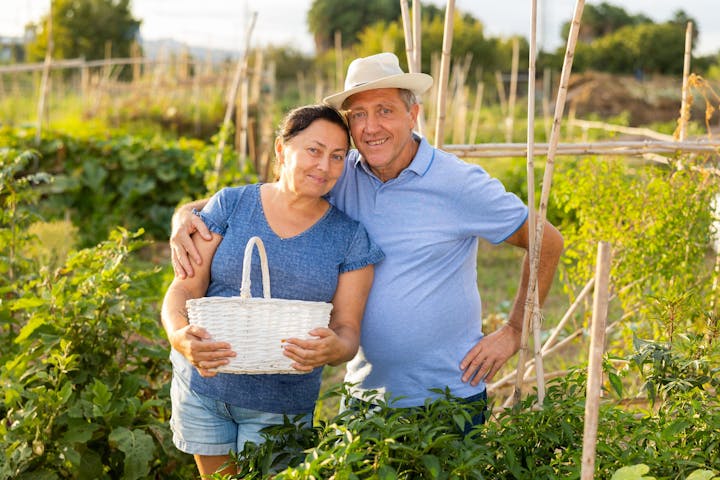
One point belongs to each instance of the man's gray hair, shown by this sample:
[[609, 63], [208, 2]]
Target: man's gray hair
[[407, 96]]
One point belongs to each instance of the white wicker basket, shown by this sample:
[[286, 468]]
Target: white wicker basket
[[257, 327]]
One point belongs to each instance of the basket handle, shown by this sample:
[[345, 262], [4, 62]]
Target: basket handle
[[247, 266]]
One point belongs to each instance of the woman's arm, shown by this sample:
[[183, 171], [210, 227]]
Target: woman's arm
[[191, 341], [338, 343]]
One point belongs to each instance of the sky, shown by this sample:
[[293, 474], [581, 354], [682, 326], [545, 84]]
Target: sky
[[222, 23]]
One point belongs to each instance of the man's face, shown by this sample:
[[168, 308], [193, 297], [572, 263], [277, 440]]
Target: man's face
[[381, 128]]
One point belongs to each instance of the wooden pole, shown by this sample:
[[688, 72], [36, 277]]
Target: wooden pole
[[407, 31], [240, 69], [547, 87], [551, 341], [510, 119], [595, 370], [501, 92], [339, 63], [684, 107], [624, 148], [444, 73], [474, 127], [417, 35], [45, 78], [547, 182], [532, 56], [413, 34]]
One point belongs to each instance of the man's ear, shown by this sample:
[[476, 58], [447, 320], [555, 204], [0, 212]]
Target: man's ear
[[414, 111]]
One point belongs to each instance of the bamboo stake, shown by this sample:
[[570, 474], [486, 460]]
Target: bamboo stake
[[407, 31], [548, 346], [547, 181], [444, 73], [501, 92], [240, 68], [339, 68], [642, 147], [411, 48], [474, 127], [595, 372], [417, 35], [45, 77], [684, 107], [547, 88], [644, 132], [417, 57], [510, 119], [535, 307]]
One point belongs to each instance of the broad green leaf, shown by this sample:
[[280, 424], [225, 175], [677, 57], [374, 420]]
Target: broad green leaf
[[702, 475], [35, 322], [138, 449], [386, 472], [432, 464], [632, 472], [79, 432]]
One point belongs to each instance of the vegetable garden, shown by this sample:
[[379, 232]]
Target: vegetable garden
[[84, 368]]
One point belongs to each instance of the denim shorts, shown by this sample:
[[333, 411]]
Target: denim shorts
[[205, 426]]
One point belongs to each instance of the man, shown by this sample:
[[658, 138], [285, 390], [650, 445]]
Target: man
[[426, 209]]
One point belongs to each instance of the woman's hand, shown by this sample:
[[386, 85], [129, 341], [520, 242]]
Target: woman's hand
[[327, 348], [195, 344]]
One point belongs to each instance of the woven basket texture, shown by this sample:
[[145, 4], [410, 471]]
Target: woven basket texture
[[257, 328]]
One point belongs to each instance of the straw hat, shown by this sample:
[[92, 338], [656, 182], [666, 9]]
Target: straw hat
[[378, 71]]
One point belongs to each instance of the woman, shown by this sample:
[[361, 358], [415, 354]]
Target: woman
[[315, 253]]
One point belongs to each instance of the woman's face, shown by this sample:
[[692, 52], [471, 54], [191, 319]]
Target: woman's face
[[313, 160]]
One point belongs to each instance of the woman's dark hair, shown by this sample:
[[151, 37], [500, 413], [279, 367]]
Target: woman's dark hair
[[301, 118]]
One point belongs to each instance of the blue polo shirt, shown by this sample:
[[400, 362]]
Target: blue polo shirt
[[424, 313]]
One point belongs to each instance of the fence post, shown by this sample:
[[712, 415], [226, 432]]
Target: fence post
[[595, 370]]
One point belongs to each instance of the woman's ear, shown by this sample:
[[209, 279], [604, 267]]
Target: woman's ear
[[279, 150]]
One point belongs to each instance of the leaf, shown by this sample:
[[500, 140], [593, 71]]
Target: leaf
[[633, 472], [432, 464], [138, 449], [33, 324], [616, 383], [702, 475], [386, 472], [94, 175], [79, 432]]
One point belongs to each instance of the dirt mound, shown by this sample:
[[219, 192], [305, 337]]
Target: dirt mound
[[646, 100]]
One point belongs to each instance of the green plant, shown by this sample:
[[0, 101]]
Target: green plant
[[82, 364], [658, 222]]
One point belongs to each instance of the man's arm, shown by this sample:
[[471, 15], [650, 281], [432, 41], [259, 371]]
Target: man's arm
[[184, 224], [490, 354]]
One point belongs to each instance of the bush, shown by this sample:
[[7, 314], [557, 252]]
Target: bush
[[83, 365]]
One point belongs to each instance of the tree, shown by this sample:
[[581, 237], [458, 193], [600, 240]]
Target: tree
[[603, 19], [349, 17], [488, 54], [83, 28]]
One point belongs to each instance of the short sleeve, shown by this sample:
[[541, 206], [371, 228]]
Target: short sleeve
[[361, 252], [488, 210], [218, 210]]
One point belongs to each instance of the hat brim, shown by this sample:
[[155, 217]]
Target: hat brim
[[418, 83]]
